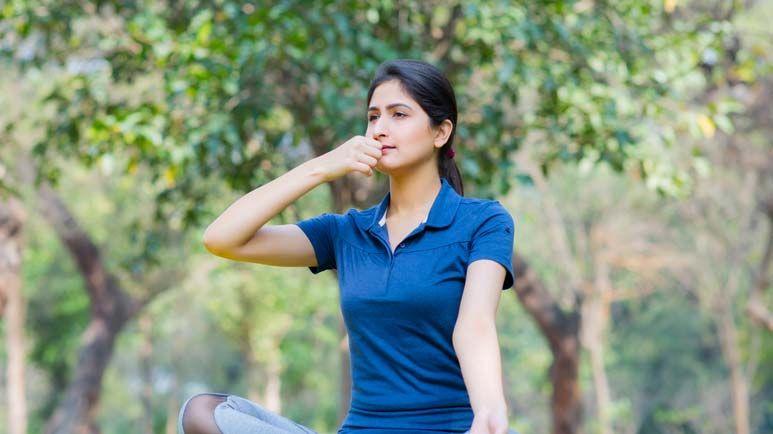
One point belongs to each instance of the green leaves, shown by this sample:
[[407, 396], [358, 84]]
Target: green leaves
[[190, 88]]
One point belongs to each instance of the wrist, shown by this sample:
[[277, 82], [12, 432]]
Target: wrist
[[491, 409], [316, 170]]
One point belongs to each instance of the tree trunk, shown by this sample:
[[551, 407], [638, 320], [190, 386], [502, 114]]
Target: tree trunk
[[266, 392], [593, 340], [756, 307], [12, 218], [110, 307], [146, 371], [76, 411], [731, 349], [172, 408], [253, 373], [566, 403], [595, 319], [272, 394], [561, 330]]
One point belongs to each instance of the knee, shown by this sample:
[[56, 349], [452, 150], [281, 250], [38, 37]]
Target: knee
[[197, 414]]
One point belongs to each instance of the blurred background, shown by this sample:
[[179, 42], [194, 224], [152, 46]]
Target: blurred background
[[630, 140]]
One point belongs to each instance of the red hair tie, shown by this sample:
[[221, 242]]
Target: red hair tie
[[450, 153]]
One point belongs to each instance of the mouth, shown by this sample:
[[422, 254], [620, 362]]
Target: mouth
[[387, 147]]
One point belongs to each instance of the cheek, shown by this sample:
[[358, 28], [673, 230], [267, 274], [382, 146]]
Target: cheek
[[417, 134], [418, 129]]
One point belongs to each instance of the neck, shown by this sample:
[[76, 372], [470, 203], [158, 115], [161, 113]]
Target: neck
[[413, 194]]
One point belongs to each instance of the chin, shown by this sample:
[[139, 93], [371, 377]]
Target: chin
[[383, 171], [400, 167], [381, 167], [395, 171]]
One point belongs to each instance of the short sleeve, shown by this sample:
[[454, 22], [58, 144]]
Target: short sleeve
[[321, 230], [494, 240]]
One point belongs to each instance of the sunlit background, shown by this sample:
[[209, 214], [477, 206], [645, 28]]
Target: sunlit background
[[630, 140]]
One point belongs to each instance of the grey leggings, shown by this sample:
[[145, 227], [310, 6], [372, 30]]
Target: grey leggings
[[236, 415]]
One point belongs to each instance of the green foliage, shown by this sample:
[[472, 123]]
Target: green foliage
[[178, 106], [198, 88], [58, 309]]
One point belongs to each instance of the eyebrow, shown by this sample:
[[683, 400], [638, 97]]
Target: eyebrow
[[396, 104]]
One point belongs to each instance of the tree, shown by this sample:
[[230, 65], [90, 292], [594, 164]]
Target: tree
[[12, 217], [199, 89]]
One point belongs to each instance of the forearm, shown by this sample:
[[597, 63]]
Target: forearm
[[239, 222], [477, 349]]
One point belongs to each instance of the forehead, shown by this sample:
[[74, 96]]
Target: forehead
[[388, 93]]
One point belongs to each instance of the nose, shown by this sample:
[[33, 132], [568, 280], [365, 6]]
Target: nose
[[379, 127]]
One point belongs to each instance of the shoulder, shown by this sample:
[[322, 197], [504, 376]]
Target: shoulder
[[355, 213], [359, 218], [325, 222], [482, 210]]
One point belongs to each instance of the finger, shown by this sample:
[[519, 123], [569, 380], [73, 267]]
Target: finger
[[373, 142], [367, 159], [373, 152], [363, 168]]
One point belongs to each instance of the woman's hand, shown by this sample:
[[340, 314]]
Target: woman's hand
[[489, 422], [360, 154]]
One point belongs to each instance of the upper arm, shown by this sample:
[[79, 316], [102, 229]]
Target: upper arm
[[482, 290], [279, 245], [490, 268], [307, 243]]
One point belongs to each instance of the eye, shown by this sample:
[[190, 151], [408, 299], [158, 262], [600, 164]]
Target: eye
[[371, 118]]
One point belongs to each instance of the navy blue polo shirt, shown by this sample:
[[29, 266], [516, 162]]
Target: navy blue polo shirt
[[400, 307]]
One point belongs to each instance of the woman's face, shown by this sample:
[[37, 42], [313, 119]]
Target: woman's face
[[395, 119]]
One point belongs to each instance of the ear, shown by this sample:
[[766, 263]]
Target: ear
[[443, 132]]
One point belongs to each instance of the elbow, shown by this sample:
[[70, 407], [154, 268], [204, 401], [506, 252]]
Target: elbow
[[211, 243], [460, 341], [471, 330]]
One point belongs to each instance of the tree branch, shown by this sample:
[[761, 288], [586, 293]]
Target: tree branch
[[536, 299]]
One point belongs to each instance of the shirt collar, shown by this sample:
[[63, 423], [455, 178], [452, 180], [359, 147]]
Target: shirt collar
[[440, 215], [382, 222]]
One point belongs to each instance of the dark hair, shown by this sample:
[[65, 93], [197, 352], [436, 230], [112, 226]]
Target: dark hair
[[431, 89]]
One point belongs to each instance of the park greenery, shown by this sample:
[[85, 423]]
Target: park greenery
[[629, 140]]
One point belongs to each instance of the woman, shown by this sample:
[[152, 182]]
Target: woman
[[420, 274]]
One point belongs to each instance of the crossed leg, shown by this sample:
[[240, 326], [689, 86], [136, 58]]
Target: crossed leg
[[217, 413], [197, 416]]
